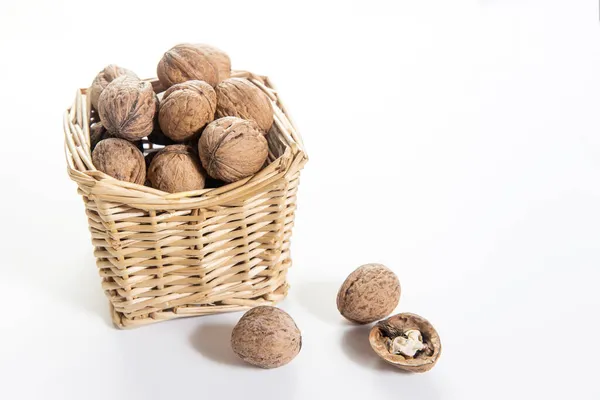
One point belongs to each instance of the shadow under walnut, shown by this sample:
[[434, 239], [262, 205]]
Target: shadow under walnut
[[213, 341]]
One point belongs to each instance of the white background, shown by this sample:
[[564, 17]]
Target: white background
[[457, 142]]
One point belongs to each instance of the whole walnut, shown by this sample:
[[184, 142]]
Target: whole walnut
[[97, 133], [369, 293], [219, 59], [176, 168], [186, 108], [266, 337], [186, 62], [148, 159], [407, 341], [238, 97], [232, 148], [127, 108], [104, 77], [157, 136], [120, 159]]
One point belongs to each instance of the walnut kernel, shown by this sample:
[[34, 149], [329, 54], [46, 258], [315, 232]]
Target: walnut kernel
[[406, 341]]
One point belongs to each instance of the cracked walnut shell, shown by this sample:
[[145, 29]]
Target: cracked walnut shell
[[231, 149], [238, 97], [185, 62], [104, 77], [266, 337], [127, 107], [186, 108], [369, 293], [175, 169], [120, 159], [420, 346]]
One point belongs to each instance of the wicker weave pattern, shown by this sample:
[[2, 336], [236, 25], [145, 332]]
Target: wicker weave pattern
[[164, 256]]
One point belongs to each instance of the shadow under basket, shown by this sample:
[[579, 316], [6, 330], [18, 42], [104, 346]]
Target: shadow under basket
[[163, 256]]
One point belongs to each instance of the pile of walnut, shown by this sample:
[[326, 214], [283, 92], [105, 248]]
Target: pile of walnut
[[269, 338], [211, 125]]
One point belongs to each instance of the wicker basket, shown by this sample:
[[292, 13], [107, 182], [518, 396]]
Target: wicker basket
[[163, 256]]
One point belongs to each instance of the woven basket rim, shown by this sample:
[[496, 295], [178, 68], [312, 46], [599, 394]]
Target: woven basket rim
[[81, 169]]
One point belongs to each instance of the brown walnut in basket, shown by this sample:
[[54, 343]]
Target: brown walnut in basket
[[238, 97], [162, 256], [127, 107], [188, 61], [176, 168], [186, 108], [120, 159], [104, 77], [219, 59], [232, 148]]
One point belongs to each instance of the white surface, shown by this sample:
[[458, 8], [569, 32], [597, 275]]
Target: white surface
[[457, 142]]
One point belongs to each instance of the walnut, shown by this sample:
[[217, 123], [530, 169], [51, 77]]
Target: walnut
[[157, 136], [104, 77], [369, 293], [127, 108], [148, 159], [406, 341], [232, 148], [219, 59], [186, 62], [97, 133], [266, 337], [176, 168], [238, 97], [120, 159], [186, 108]]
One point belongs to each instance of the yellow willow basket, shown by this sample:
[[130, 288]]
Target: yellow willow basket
[[163, 256]]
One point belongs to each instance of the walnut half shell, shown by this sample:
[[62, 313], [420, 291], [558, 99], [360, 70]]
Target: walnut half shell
[[401, 326]]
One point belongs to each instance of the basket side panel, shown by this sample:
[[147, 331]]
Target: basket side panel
[[161, 265]]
